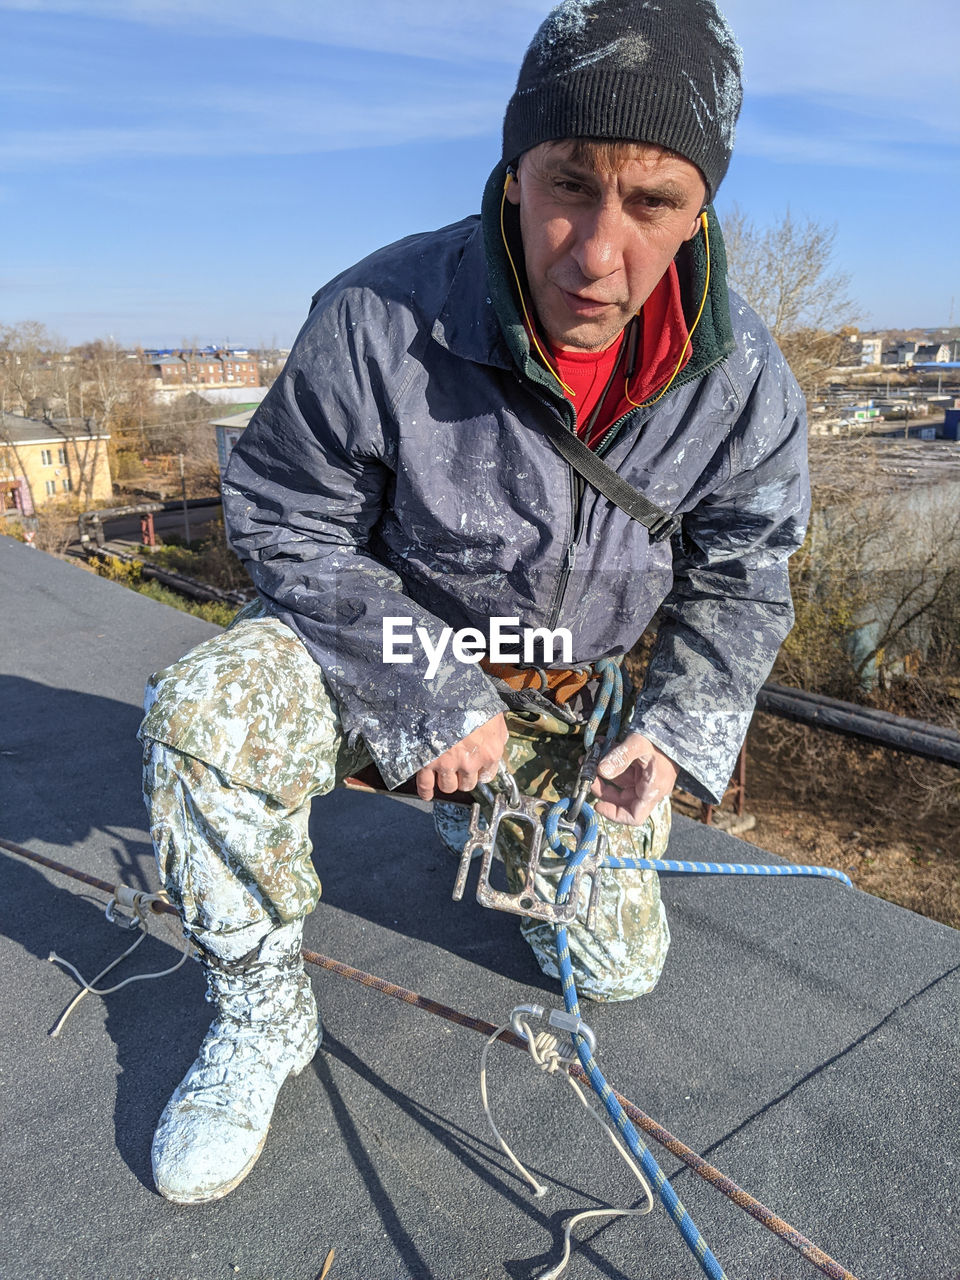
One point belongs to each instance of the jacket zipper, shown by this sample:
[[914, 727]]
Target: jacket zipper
[[576, 496], [609, 436]]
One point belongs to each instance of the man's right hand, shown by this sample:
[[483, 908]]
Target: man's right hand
[[471, 760]]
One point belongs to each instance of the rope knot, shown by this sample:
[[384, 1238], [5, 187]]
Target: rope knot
[[548, 1052]]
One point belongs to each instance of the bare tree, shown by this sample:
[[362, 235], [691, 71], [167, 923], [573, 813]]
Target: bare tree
[[111, 395], [879, 567], [785, 271], [910, 569], [89, 449], [183, 426], [270, 365], [29, 358], [113, 385]]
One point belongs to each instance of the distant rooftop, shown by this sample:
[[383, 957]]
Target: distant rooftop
[[15, 429], [236, 420], [176, 352]]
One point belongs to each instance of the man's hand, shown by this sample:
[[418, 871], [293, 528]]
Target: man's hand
[[632, 780], [471, 760]]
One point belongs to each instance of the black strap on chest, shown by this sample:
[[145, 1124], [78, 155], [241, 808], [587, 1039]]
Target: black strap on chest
[[661, 524]]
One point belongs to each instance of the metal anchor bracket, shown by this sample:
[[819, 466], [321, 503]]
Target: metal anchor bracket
[[127, 906], [529, 814], [524, 1015]]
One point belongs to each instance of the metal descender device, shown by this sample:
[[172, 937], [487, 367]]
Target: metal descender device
[[527, 813]]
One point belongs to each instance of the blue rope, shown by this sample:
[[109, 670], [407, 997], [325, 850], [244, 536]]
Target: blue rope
[[669, 867], [610, 699], [668, 1197]]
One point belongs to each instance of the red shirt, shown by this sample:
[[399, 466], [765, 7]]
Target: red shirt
[[663, 333]]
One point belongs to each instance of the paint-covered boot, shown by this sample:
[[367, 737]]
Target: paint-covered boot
[[214, 1127]]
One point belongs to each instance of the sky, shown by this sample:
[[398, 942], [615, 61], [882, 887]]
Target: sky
[[174, 173]]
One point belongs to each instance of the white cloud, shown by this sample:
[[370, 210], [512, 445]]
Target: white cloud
[[278, 112], [852, 152], [275, 132], [865, 80], [496, 31], [876, 47], [876, 52], [871, 48]]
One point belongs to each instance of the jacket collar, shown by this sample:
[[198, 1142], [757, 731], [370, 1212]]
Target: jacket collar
[[468, 323]]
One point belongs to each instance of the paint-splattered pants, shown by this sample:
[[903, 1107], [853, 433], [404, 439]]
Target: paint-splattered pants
[[244, 731]]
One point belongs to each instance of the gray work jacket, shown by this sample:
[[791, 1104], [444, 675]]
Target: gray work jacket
[[399, 467]]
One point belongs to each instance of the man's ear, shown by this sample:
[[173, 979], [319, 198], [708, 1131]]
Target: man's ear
[[512, 189], [697, 224]]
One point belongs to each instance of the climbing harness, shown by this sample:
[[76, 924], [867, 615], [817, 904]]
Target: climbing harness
[[571, 833], [537, 819], [696, 1163], [530, 814]]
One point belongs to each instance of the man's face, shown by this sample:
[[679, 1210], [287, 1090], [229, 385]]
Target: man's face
[[595, 244]]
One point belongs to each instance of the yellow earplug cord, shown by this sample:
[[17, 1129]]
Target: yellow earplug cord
[[531, 328]]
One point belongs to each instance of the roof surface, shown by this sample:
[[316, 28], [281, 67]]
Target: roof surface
[[17, 430], [804, 1037], [235, 420]]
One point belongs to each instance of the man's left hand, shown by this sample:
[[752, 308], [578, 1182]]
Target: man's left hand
[[632, 780]]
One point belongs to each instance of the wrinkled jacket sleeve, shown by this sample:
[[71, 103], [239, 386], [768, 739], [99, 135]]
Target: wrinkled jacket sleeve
[[305, 487], [730, 607]]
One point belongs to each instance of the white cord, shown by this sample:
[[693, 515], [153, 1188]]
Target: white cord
[[561, 1266], [88, 988], [544, 1049], [538, 1188]]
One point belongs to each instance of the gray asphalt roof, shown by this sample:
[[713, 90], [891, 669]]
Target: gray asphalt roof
[[15, 429], [803, 1037]]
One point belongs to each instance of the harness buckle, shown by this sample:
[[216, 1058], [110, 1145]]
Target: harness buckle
[[665, 527], [528, 813]]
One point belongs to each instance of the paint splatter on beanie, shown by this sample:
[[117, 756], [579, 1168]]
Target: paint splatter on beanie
[[660, 71]]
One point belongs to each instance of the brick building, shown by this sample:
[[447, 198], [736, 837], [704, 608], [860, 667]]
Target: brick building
[[204, 368]]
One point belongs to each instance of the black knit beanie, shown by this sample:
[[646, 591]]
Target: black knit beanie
[[665, 73]]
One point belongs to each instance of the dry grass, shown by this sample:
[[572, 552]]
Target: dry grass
[[860, 814]]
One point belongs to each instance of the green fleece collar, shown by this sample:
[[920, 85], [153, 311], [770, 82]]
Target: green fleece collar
[[712, 341]]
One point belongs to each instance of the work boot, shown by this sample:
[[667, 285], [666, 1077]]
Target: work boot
[[214, 1127]]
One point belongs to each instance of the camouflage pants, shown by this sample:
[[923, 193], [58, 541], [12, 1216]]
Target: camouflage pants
[[244, 731]]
